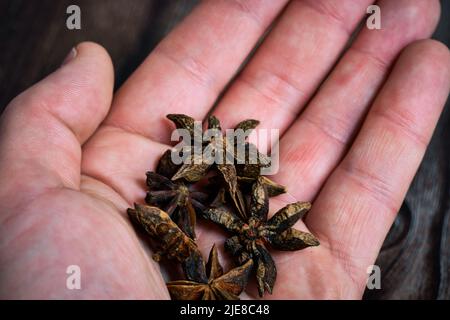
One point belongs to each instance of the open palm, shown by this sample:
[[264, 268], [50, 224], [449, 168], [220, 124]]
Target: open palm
[[73, 158]]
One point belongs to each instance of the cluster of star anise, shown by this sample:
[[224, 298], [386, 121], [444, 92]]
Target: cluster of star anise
[[237, 199]]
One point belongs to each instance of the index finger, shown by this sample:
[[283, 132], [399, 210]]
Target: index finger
[[358, 203], [190, 67]]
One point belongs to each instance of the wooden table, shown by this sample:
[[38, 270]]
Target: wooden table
[[415, 260]]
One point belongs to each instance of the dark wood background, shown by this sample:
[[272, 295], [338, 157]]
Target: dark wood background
[[415, 260]]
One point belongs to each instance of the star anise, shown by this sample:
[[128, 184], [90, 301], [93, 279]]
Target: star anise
[[213, 148], [214, 284], [251, 237], [229, 155], [179, 201], [173, 243]]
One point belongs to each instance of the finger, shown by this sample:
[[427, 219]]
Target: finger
[[183, 75], [358, 203], [188, 69], [328, 124], [290, 64], [43, 128]]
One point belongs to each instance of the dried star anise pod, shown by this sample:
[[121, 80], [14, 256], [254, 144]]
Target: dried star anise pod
[[214, 285], [172, 241], [215, 147], [251, 237], [197, 168], [176, 199], [218, 147]]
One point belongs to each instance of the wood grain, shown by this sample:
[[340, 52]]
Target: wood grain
[[415, 260]]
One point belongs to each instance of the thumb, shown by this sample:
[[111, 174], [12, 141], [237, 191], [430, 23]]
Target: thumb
[[42, 130]]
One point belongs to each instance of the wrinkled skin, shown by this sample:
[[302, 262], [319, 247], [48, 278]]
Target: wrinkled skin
[[73, 157]]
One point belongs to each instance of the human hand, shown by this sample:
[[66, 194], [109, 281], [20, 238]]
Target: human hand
[[73, 158]]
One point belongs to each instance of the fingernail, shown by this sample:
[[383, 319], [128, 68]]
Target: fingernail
[[72, 54]]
